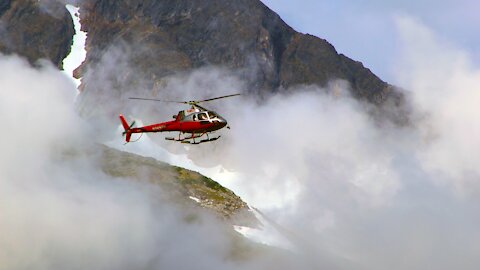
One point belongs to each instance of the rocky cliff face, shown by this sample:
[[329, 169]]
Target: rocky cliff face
[[36, 29], [243, 35], [165, 37]]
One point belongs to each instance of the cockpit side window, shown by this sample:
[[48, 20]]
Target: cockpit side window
[[202, 116], [189, 117]]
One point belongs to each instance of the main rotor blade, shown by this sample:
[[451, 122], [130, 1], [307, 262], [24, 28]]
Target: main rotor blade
[[153, 99], [192, 102], [205, 100]]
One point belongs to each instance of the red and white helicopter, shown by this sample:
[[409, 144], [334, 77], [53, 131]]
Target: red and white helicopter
[[196, 121]]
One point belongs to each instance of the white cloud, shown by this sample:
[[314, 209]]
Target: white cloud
[[446, 87], [347, 192], [59, 210]]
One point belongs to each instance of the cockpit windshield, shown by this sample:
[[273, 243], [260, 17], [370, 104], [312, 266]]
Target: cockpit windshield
[[212, 115]]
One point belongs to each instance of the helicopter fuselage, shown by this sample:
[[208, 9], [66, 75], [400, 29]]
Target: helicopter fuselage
[[197, 121], [188, 121]]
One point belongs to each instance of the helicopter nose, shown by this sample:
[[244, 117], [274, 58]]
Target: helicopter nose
[[222, 121]]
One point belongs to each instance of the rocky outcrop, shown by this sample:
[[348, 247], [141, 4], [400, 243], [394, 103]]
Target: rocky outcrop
[[36, 30], [183, 186]]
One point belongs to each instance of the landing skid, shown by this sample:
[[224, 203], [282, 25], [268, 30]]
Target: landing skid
[[191, 140], [202, 141]]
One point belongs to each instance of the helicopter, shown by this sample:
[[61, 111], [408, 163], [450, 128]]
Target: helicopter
[[197, 121]]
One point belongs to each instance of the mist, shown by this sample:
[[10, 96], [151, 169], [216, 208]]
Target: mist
[[59, 210], [348, 191]]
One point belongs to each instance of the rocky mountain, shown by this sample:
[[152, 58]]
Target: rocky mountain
[[36, 29], [182, 186], [159, 38], [171, 36]]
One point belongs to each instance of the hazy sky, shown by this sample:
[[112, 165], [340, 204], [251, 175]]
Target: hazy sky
[[365, 30]]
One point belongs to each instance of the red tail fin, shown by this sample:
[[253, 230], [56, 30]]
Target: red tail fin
[[124, 123], [126, 127]]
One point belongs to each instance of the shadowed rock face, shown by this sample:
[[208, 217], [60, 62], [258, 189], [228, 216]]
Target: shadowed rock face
[[311, 60], [4, 6], [36, 29], [242, 35]]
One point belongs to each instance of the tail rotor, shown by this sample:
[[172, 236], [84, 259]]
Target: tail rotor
[[129, 127]]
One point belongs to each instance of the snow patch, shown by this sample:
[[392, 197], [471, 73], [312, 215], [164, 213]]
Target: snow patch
[[78, 53], [195, 199]]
